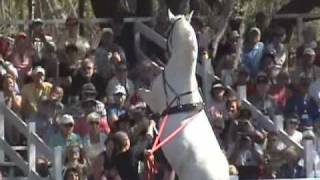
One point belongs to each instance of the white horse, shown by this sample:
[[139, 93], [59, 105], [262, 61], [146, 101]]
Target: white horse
[[194, 153]]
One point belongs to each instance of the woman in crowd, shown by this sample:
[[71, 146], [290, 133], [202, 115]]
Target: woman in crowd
[[75, 158], [94, 140]]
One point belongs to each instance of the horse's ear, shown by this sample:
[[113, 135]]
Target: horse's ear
[[171, 16], [189, 16]]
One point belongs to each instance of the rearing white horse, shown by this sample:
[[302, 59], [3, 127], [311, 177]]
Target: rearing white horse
[[194, 153]]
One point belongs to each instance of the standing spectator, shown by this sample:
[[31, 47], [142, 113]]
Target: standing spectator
[[125, 158], [120, 78], [277, 48], [34, 92], [86, 74], [43, 44], [306, 65], [253, 51], [105, 67], [65, 136], [71, 36]]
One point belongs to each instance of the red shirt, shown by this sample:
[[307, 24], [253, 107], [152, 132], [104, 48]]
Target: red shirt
[[280, 94]]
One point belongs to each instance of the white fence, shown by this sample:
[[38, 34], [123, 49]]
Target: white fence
[[34, 145]]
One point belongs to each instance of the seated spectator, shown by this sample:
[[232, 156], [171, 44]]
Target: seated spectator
[[227, 69], [262, 100], [253, 51], [242, 78], [71, 174], [217, 102], [34, 92], [87, 74], [268, 65], [302, 104], [75, 158], [118, 108], [291, 168], [44, 119], [306, 66], [280, 91], [103, 164], [273, 156], [246, 158], [87, 105], [65, 136], [94, 141], [120, 78], [13, 101], [22, 56], [292, 124]]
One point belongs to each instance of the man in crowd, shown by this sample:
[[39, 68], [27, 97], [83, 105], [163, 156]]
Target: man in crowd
[[34, 92]]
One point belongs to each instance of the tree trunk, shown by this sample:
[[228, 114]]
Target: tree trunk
[[220, 24]]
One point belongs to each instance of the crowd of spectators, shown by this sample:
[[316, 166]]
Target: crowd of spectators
[[83, 99]]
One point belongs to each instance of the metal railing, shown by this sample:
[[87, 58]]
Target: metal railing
[[34, 145]]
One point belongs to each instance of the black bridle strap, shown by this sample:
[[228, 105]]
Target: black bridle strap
[[177, 97]]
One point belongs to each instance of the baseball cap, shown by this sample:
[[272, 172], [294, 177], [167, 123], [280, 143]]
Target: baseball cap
[[119, 89], [309, 51], [37, 21], [262, 77], [255, 29], [38, 69], [235, 34], [66, 119], [217, 84], [293, 119], [93, 117], [88, 88]]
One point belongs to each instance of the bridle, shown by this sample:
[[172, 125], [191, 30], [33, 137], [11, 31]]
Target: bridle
[[167, 86]]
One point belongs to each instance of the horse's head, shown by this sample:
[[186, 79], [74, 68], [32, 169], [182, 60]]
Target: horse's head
[[181, 35]]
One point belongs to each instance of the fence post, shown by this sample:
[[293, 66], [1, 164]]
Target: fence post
[[1, 125], [31, 148], [58, 163], [242, 92], [308, 138]]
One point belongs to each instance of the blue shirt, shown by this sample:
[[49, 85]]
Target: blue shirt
[[303, 106], [59, 140], [251, 57]]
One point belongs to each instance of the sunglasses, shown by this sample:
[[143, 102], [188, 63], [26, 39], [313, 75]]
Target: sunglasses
[[94, 123], [68, 125]]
